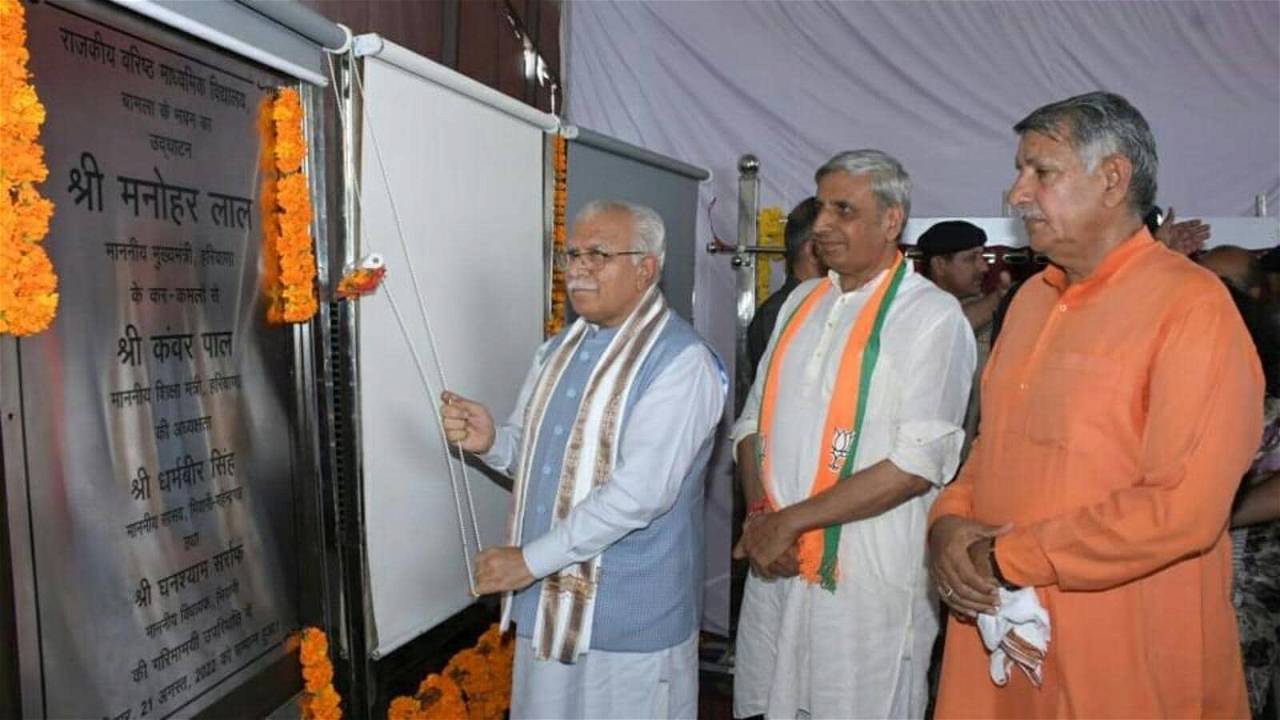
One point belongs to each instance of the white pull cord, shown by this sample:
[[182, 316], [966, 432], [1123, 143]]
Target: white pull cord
[[417, 289], [421, 369]]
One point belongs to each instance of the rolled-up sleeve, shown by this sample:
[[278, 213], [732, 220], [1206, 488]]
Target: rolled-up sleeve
[[665, 430], [935, 394]]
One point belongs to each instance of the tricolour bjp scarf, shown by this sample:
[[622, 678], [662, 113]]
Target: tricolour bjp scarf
[[566, 604], [842, 431]]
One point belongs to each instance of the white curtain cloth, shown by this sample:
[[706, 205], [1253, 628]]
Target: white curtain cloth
[[937, 84]]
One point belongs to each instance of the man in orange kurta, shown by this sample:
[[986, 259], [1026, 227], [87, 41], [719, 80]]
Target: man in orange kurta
[[1119, 411]]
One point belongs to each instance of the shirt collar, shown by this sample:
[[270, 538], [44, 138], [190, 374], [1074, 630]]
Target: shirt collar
[[834, 278], [1120, 257]]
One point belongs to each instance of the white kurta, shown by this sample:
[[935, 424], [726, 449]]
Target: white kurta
[[862, 651]]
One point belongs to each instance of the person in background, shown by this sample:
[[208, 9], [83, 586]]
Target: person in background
[[1238, 268], [1255, 515], [953, 256], [802, 264], [1186, 237]]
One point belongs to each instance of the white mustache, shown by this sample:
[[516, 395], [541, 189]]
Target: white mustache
[[1027, 213], [582, 285]]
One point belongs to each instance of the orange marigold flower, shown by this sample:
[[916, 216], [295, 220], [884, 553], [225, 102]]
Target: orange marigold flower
[[292, 217], [317, 676], [32, 221], [326, 698], [287, 108], [404, 708], [29, 318], [441, 698], [468, 667], [290, 190], [290, 152], [302, 311], [315, 646]]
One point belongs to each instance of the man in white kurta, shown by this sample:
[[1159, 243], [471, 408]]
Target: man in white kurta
[[608, 444], [861, 650]]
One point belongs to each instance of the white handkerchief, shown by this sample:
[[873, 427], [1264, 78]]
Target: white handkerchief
[[1017, 634]]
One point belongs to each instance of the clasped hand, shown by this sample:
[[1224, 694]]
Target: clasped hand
[[960, 564], [768, 542]]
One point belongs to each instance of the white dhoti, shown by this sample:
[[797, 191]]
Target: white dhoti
[[662, 684]]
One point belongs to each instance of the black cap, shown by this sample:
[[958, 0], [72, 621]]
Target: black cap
[[950, 236]]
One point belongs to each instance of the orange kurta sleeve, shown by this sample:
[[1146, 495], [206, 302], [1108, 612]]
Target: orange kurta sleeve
[[1197, 443]]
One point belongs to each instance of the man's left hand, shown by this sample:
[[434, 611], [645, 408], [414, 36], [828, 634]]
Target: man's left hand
[[501, 569], [766, 540]]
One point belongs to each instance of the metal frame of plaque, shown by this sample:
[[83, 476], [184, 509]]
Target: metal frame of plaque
[[163, 525]]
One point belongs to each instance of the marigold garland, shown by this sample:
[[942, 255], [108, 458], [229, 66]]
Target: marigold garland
[[555, 321], [295, 300], [770, 227], [28, 283], [320, 701], [476, 684]]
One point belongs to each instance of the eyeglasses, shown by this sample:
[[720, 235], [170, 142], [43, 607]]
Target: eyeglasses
[[593, 259]]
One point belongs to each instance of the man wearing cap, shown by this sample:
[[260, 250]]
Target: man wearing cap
[[953, 257]]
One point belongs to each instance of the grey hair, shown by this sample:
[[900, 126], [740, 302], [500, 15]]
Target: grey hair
[[1099, 124], [890, 183], [648, 232]]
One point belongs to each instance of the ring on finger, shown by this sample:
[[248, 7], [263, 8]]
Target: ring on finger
[[946, 591]]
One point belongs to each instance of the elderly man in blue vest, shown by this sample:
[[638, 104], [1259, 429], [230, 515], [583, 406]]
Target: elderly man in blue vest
[[608, 444]]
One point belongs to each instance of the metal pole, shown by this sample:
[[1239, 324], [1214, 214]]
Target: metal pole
[[744, 270]]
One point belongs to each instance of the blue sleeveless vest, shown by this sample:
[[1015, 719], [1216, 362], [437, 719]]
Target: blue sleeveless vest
[[650, 590]]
